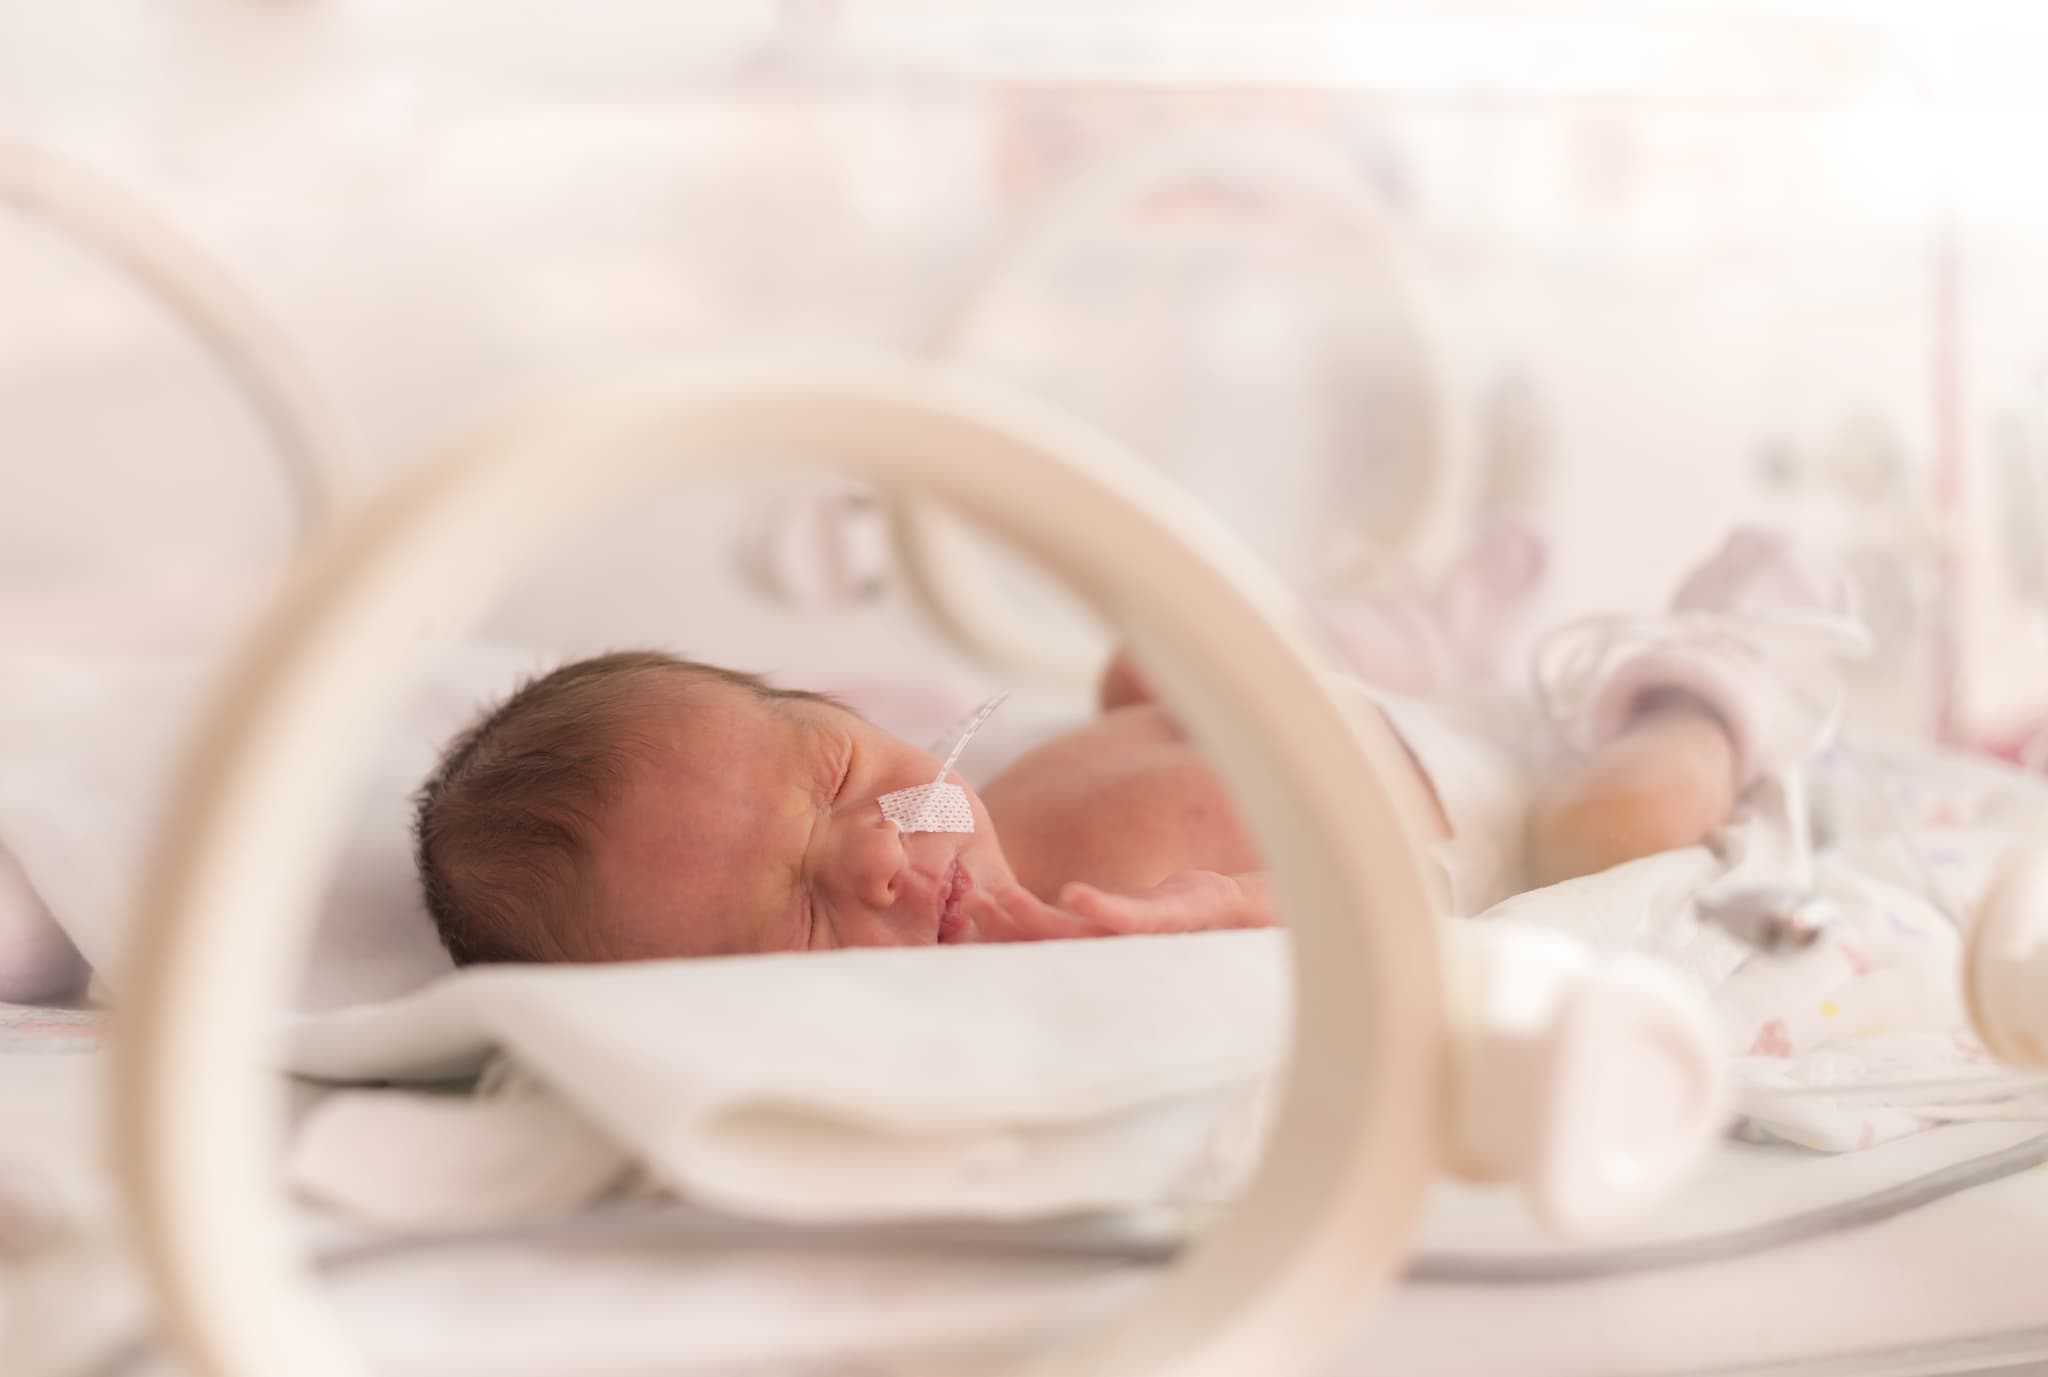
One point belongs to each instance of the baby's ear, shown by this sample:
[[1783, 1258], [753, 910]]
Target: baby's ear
[[1122, 685]]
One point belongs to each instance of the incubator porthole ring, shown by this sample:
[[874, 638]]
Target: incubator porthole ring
[[312, 444], [255, 821], [944, 565]]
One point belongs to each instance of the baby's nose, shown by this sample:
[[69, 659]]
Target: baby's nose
[[868, 860]]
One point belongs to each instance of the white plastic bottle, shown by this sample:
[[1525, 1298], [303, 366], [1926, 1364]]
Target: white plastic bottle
[[2005, 966], [1597, 1080]]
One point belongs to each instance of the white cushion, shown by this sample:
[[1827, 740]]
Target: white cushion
[[89, 746]]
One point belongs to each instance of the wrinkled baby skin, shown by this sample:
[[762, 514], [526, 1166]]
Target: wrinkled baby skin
[[753, 825]]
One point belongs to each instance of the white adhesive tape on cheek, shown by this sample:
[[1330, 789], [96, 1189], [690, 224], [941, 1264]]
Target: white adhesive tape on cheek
[[929, 808], [939, 806]]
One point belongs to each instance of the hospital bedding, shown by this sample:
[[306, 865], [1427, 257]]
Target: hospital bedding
[[1948, 1273], [1949, 1278]]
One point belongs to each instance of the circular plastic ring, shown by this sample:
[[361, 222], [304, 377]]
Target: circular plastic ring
[[946, 568], [310, 440], [254, 824]]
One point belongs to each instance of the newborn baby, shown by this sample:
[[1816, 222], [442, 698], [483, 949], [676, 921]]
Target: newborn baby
[[637, 806]]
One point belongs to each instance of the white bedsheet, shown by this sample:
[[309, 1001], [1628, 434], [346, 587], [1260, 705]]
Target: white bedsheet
[[1944, 1275], [1965, 1267], [1941, 1280], [1004, 1082], [1031, 1080], [67, 1290]]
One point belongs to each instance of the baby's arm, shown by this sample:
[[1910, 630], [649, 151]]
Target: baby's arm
[[1665, 782], [1188, 901]]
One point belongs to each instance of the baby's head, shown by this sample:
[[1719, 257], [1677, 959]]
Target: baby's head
[[637, 806]]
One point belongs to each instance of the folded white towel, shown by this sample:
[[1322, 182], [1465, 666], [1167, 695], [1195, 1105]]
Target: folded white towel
[[1008, 1082]]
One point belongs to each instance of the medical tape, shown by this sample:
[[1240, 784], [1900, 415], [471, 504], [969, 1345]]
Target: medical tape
[[939, 806]]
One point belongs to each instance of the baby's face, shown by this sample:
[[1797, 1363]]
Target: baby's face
[[753, 825]]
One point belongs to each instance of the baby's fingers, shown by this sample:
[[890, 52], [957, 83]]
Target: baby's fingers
[[1038, 920], [987, 920], [1087, 899], [1111, 913], [1187, 901], [1014, 914]]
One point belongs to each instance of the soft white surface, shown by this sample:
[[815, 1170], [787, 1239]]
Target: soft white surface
[[980, 1081], [91, 743], [992, 1081], [67, 1288], [88, 743], [1965, 1267], [731, 1049], [1745, 1185]]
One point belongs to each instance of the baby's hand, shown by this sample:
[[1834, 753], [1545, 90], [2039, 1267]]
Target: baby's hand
[[1189, 901]]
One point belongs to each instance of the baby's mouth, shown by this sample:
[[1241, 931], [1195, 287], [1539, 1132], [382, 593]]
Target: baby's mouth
[[952, 923]]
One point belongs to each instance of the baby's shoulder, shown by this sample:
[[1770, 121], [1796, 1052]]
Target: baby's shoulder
[[1140, 724], [1127, 740]]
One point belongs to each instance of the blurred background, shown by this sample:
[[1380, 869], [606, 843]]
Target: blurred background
[[1375, 280], [1633, 272]]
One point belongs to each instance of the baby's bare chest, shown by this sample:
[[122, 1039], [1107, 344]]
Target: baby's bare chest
[[1121, 803]]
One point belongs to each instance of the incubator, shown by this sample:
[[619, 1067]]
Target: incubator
[[1396, 408]]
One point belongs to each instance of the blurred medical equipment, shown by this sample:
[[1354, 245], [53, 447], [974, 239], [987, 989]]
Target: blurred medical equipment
[[311, 441], [2006, 969], [2021, 448], [1593, 1085], [1771, 918], [1384, 480], [2006, 972], [1533, 187], [1594, 1081], [206, 971]]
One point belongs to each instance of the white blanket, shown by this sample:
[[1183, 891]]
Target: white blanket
[[1006, 1082], [1039, 1079]]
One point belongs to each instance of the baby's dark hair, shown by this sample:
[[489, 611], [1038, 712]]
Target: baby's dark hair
[[503, 827]]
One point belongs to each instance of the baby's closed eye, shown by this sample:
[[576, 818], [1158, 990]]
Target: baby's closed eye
[[845, 774]]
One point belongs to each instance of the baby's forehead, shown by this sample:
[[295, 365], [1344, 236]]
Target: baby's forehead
[[713, 816], [722, 732]]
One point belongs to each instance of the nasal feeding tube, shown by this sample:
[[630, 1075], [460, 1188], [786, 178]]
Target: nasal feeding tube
[[939, 806]]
